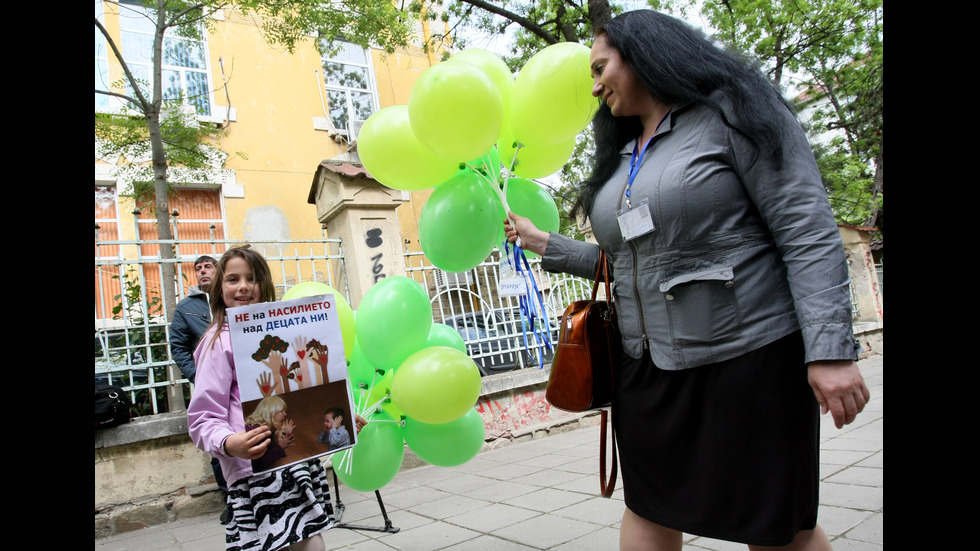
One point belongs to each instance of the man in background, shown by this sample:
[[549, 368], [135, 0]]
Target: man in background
[[191, 319]]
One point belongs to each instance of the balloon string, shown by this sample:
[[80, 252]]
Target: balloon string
[[371, 409], [370, 389], [493, 185], [510, 170]]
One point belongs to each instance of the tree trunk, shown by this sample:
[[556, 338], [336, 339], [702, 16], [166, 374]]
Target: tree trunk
[[168, 278]]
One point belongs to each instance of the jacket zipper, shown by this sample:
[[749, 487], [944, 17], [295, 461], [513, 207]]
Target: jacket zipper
[[639, 303], [636, 295]]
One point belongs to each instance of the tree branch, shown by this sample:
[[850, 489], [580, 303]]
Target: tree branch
[[531, 26], [141, 100]]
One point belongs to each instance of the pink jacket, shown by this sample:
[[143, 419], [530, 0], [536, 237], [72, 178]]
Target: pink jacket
[[215, 411]]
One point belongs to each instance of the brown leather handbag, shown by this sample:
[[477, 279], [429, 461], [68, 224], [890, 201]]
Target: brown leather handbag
[[581, 376]]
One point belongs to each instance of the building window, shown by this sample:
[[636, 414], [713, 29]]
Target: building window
[[348, 82], [200, 220], [107, 273], [185, 61]]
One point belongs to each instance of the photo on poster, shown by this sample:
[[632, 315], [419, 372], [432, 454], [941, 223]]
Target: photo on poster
[[292, 377]]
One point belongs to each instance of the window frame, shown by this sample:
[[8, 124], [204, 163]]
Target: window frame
[[371, 88], [142, 66]]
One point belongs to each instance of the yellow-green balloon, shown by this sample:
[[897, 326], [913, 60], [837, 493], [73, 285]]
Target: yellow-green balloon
[[394, 156], [436, 385], [345, 316], [494, 67], [552, 97], [535, 161], [456, 111]]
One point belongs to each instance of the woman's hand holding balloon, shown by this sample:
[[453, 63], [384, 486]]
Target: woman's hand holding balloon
[[532, 239]]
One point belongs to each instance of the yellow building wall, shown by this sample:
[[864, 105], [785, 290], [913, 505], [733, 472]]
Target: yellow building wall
[[276, 96]]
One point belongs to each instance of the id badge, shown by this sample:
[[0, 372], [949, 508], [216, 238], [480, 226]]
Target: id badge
[[636, 221], [512, 284]]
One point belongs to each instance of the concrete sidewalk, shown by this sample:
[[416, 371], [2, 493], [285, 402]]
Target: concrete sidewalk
[[544, 494]]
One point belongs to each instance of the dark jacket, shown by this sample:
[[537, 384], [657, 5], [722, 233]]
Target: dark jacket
[[191, 319]]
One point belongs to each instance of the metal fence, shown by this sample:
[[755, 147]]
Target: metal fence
[[131, 329], [497, 329], [132, 336], [880, 270]]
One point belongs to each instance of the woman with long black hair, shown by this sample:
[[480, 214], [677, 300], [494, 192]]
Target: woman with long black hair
[[730, 284]]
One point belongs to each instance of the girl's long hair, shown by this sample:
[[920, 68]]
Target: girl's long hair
[[678, 64], [266, 411], [260, 271]]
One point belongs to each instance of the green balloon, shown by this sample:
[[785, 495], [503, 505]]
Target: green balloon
[[359, 369], [345, 316], [393, 155], [443, 335], [448, 444], [393, 321], [375, 459], [552, 97], [458, 224], [530, 200], [456, 111], [436, 385]]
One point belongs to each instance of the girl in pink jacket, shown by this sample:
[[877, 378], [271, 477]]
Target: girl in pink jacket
[[284, 508]]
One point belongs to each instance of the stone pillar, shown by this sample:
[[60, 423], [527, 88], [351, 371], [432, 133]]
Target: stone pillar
[[584, 226], [361, 212], [864, 276]]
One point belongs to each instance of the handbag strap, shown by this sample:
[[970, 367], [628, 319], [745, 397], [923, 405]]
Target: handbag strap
[[602, 271], [606, 485]]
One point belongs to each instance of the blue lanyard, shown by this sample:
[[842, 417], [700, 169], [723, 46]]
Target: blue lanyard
[[637, 159], [541, 334]]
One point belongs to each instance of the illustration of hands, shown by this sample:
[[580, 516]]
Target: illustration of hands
[[320, 356], [299, 370], [265, 384], [277, 364], [269, 354]]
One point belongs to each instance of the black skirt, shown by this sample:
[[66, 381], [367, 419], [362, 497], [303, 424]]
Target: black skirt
[[727, 451]]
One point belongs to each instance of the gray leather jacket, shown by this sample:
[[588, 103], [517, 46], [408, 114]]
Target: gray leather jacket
[[740, 256]]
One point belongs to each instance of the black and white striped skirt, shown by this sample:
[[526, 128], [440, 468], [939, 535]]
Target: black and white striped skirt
[[276, 509]]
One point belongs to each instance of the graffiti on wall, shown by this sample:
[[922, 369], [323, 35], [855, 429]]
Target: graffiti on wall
[[504, 416], [869, 263], [374, 241]]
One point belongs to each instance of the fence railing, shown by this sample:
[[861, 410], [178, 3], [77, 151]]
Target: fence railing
[[496, 328], [132, 334], [880, 270], [131, 329]]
